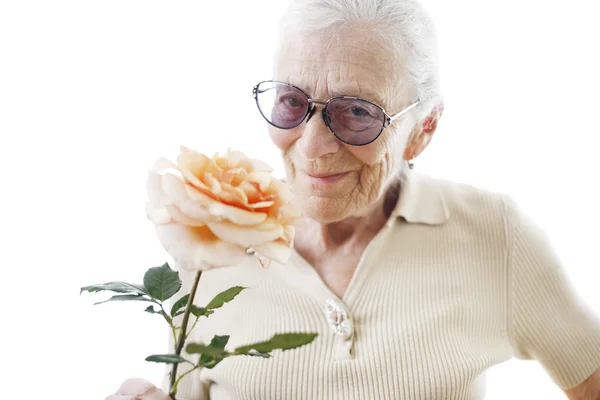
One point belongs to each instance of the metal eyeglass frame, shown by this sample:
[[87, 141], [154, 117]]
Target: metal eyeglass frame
[[387, 120]]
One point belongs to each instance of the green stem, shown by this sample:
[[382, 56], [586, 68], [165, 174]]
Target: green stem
[[182, 335], [169, 320], [173, 391], [174, 332], [193, 326]]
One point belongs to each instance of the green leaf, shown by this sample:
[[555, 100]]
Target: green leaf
[[118, 287], [219, 342], [215, 351], [166, 359], [201, 348], [179, 304], [258, 354], [200, 311], [151, 310], [281, 341], [224, 297], [212, 354], [162, 282], [196, 348], [125, 297]]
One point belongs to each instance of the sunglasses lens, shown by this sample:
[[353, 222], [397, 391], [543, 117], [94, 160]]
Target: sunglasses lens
[[355, 121], [281, 105]]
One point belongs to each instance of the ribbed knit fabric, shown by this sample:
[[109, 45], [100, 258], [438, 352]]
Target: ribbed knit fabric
[[457, 281]]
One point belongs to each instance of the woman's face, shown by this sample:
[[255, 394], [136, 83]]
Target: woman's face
[[333, 180]]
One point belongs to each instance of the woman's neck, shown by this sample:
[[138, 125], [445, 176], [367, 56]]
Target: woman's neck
[[351, 231]]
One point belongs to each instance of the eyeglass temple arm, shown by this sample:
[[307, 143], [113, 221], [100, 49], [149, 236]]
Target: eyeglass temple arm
[[407, 109]]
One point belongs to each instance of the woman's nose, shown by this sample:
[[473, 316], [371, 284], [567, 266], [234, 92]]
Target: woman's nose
[[317, 140]]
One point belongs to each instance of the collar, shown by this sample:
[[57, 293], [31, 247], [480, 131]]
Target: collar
[[420, 200]]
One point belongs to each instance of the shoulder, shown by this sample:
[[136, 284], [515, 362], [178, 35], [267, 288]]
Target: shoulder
[[467, 202], [462, 213]]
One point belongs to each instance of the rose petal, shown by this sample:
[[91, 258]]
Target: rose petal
[[283, 191], [251, 190], [234, 176], [154, 188], [196, 211], [189, 213], [193, 179], [247, 236], [233, 199], [258, 165], [236, 193], [262, 204], [262, 178], [157, 213], [289, 231], [254, 165], [196, 248], [221, 161], [234, 157], [277, 250], [212, 183], [231, 213], [174, 189], [265, 261], [195, 162], [289, 214], [162, 164]]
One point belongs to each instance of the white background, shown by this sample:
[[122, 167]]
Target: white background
[[91, 92]]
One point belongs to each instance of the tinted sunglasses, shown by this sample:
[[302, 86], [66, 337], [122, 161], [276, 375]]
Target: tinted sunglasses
[[352, 120]]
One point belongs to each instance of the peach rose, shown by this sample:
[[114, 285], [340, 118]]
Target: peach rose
[[210, 212]]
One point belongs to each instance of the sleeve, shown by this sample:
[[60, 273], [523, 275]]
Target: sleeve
[[547, 322], [191, 387]]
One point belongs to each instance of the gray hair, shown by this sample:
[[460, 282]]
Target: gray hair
[[403, 25]]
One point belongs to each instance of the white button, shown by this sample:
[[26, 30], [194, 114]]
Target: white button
[[339, 318]]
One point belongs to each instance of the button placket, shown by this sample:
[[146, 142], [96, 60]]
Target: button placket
[[341, 323]]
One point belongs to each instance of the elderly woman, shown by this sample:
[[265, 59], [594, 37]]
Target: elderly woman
[[415, 285]]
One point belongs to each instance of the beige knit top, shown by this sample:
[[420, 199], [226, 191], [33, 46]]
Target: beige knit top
[[457, 281]]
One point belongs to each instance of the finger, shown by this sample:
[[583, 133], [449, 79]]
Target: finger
[[155, 394], [135, 387]]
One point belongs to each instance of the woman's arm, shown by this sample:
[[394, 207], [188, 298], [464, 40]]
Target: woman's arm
[[586, 390], [548, 321]]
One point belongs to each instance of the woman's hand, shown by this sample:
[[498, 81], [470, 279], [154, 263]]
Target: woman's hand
[[138, 389]]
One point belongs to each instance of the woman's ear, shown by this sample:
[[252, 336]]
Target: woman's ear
[[422, 133]]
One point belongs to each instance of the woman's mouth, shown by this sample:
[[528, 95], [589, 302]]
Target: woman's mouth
[[325, 178]]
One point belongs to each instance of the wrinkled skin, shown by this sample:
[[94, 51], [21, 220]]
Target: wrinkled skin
[[355, 65]]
